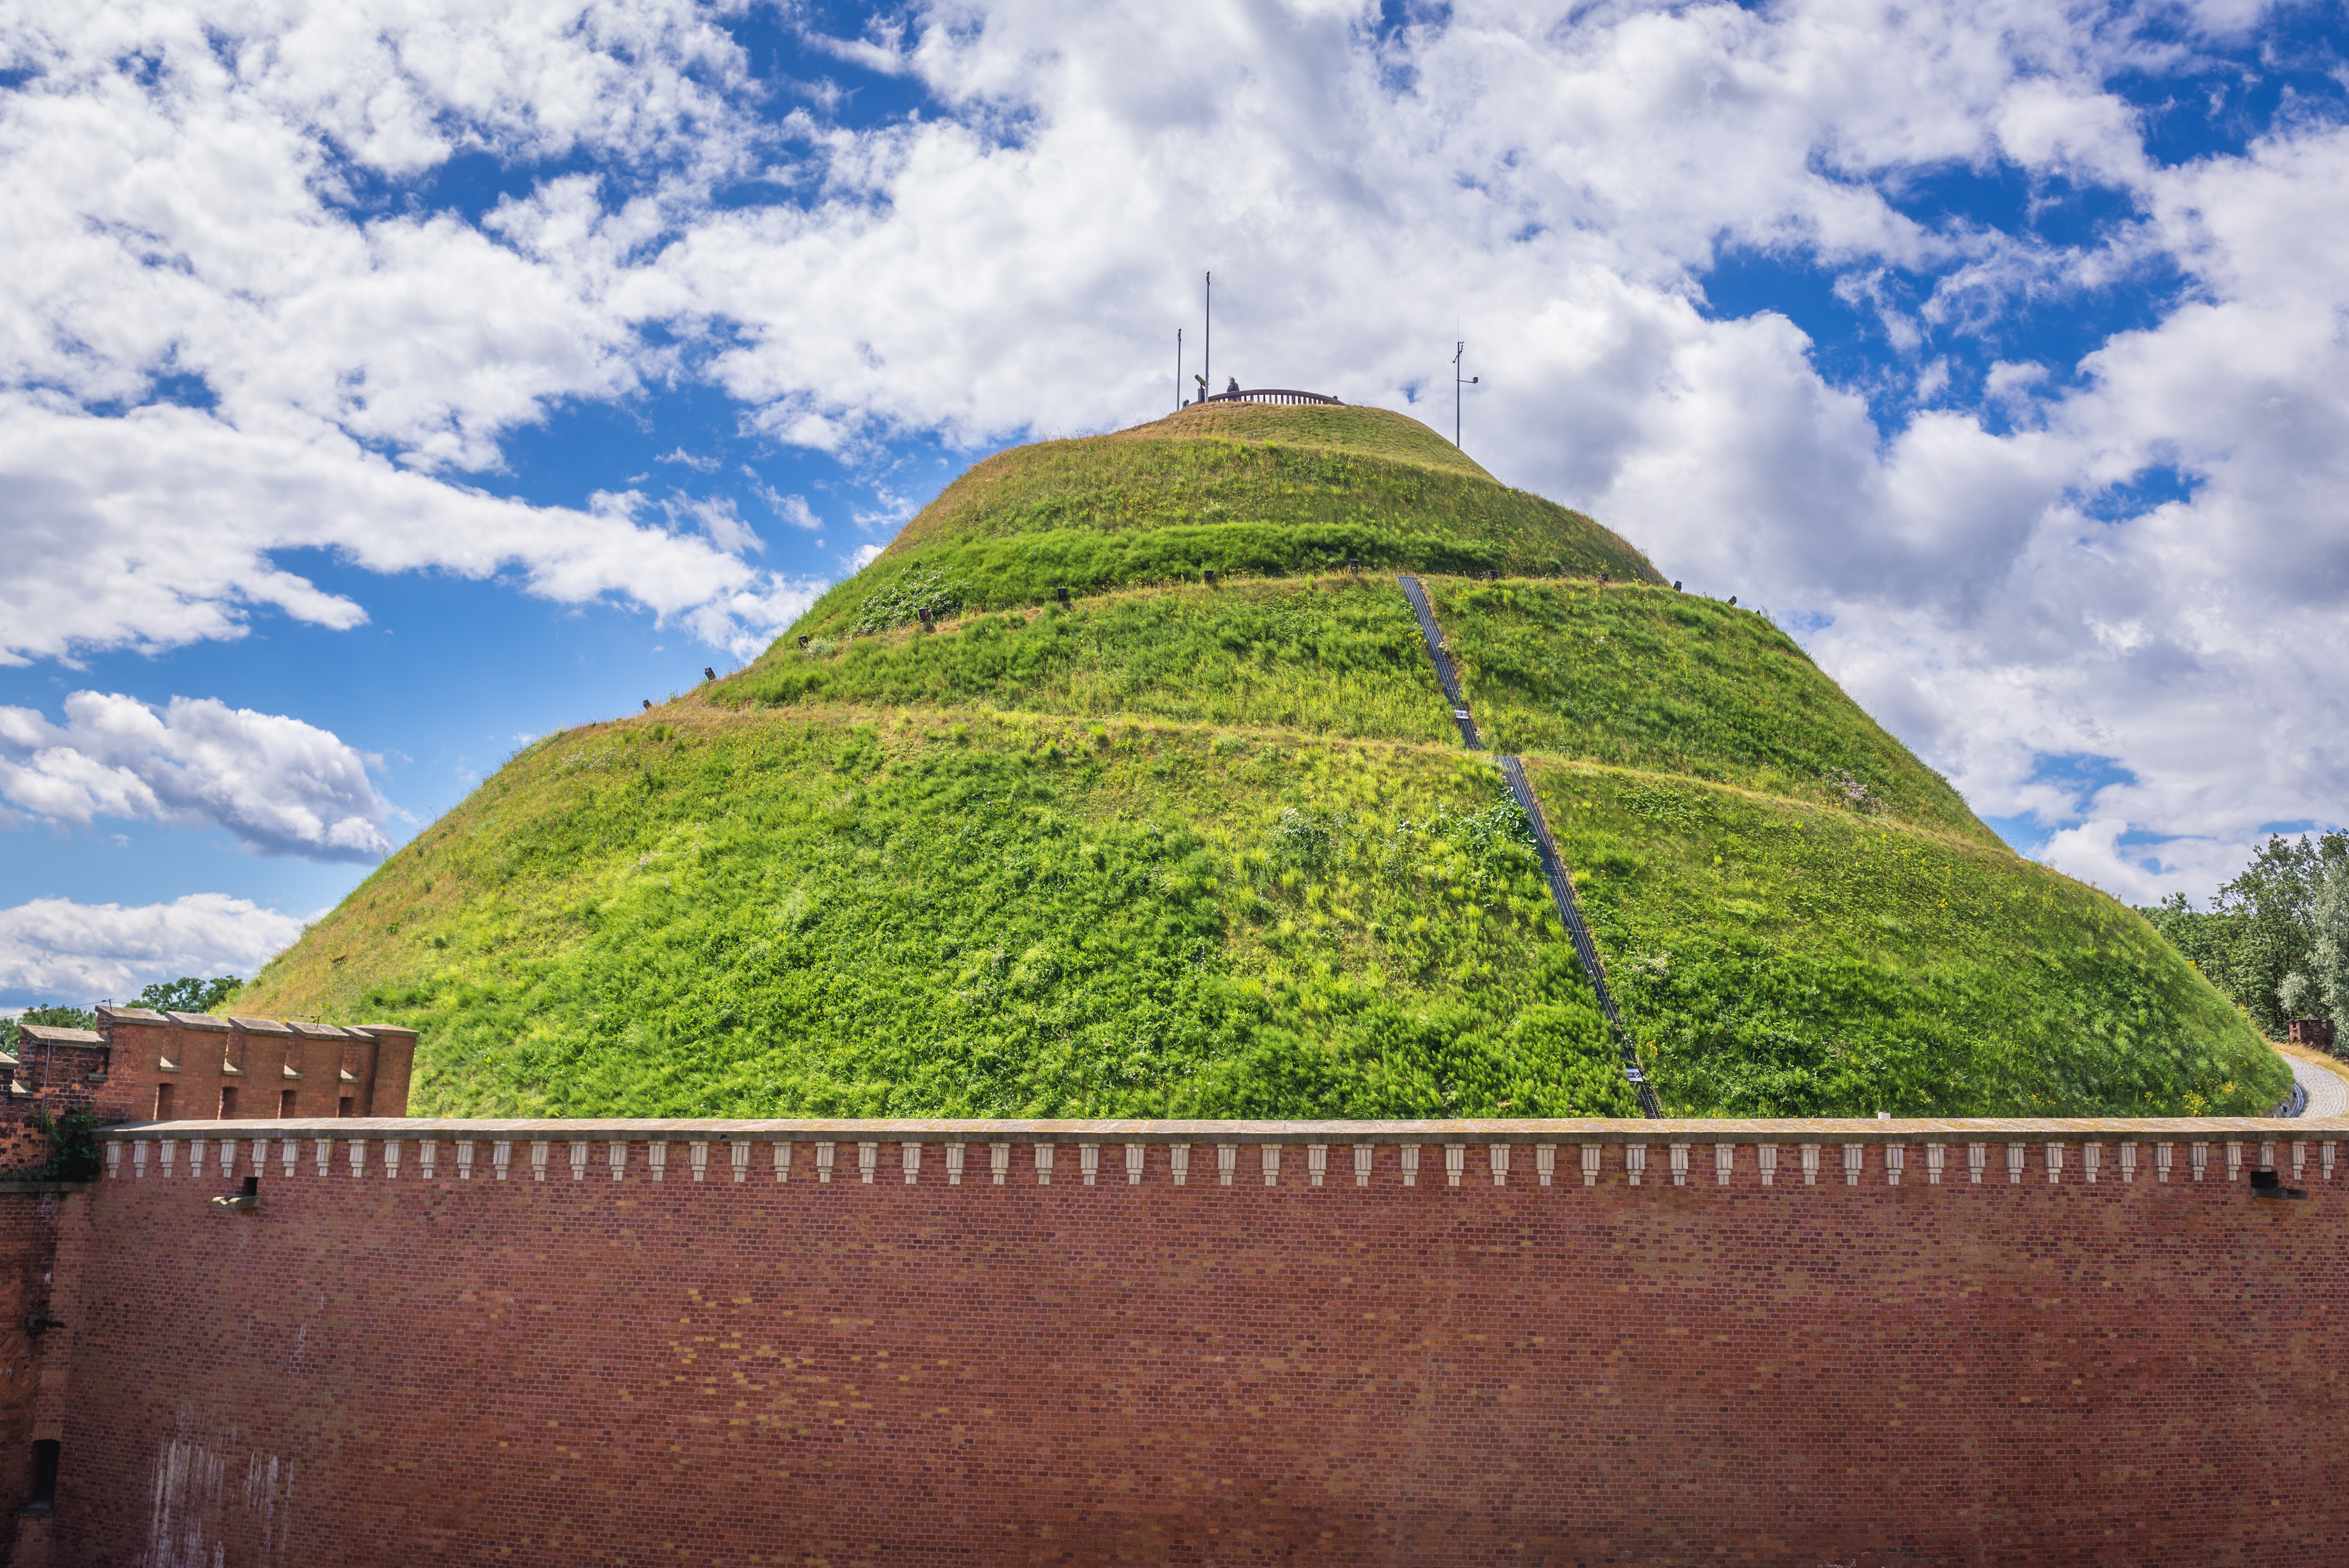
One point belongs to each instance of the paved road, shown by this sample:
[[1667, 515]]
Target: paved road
[[2328, 1091]]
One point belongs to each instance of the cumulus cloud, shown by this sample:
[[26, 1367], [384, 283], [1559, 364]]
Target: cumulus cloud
[[199, 221], [55, 950], [2133, 557], [281, 786]]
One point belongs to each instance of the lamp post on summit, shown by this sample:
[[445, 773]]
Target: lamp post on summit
[[1457, 350]]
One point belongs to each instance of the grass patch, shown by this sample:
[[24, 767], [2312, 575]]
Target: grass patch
[[1259, 492], [1785, 959], [1339, 657], [756, 915], [1357, 431], [1666, 682]]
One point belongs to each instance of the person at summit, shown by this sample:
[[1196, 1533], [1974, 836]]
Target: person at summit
[[1233, 387]]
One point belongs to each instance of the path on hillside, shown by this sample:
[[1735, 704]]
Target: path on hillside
[[1553, 867], [2328, 1091]]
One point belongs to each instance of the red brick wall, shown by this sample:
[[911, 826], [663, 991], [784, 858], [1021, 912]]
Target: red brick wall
[[29, 1257], [393, 1371]]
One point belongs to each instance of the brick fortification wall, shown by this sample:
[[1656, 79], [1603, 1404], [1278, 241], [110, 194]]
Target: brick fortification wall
[[520, 1358], [138, 1065]]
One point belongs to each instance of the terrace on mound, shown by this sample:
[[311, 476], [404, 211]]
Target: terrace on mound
[[1099, 837]]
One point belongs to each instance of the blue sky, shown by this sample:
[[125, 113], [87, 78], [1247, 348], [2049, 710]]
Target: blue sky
[[379, 391]]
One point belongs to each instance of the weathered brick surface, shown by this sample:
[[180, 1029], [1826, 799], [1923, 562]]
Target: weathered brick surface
[[375, 1371], [29, 1226]]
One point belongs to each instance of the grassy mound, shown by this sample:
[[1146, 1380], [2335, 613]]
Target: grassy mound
[[926, 914], [1787, 957], [1179, 850], [1669, 683], [1262, 492]]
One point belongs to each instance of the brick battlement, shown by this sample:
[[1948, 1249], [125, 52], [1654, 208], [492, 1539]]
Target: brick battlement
[[1770, 1154]]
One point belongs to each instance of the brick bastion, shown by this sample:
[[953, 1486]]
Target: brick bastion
[[756, 1342]]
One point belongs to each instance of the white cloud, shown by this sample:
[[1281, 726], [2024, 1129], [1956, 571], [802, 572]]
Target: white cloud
[[1011, 260], [156, 528], [198, 219], [792, 509], [283, 786], [56, 949]]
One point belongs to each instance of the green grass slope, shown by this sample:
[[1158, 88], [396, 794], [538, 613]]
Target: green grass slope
[[1262, 492], [1180, 850], [917, 914]]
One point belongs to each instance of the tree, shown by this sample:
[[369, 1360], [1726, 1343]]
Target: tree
[[189, 995], [55, 1017], [2261, 929], [2321, 984]]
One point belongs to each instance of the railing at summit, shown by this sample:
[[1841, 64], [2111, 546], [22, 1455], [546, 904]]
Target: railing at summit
[[1273, 395]]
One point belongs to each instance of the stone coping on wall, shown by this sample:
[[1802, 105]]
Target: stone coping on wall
[[1821, 1130]]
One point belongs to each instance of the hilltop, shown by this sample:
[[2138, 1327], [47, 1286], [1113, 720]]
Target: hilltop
[[1174, 849]]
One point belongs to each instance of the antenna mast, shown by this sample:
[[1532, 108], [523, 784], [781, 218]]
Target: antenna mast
[[1178, 370], [1207, 354], [1457, 350]]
